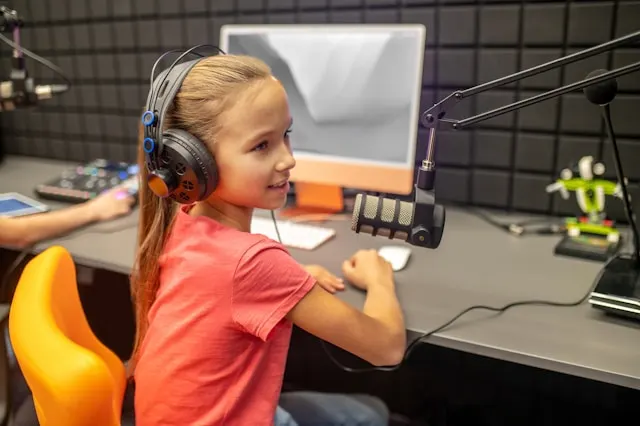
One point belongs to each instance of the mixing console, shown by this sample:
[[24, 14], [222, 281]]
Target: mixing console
[[85, 182]]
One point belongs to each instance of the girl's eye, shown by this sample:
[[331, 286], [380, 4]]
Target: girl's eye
[[287, 133], [261, 146]]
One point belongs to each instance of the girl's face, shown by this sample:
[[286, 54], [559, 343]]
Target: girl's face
[[252, 151]]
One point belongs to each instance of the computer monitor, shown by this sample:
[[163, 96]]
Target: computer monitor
[[354, 95]]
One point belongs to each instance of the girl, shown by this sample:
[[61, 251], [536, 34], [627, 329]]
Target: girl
[[215, 304]]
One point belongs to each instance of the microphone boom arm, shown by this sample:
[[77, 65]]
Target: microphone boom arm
[[428, 120], [435, 115]]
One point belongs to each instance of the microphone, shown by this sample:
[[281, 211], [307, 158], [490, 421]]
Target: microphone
[[23, 93], [20, 90], [419, 223]]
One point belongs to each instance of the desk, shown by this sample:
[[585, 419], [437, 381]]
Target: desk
[[475, 264]]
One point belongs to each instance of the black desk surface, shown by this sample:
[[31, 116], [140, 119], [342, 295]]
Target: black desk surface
[[475, 264]]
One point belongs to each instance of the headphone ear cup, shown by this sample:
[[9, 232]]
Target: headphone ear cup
[[192, 163]]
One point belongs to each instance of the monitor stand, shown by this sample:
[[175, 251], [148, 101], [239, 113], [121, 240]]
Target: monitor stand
[[317, 200], [617, 290]]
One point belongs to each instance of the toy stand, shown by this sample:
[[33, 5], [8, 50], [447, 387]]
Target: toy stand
[[590, 247]]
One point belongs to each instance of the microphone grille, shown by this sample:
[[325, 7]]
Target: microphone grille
[[356, 212], [388, 210], [406, 213], [370, 206]]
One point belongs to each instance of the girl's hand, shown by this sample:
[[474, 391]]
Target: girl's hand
[[366, 268], [325, 279]]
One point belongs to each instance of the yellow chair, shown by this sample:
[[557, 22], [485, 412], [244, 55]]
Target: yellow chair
[[75, 380]]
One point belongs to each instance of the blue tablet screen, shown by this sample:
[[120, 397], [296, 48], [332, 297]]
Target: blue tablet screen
[[11, 204]]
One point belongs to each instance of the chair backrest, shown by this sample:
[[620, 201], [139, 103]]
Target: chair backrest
[[75, 380]]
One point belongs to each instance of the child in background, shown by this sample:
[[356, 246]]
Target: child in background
[[215, 304], [25, 231]]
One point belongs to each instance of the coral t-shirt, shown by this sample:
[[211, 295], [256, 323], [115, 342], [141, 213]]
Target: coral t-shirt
[[217, 342]]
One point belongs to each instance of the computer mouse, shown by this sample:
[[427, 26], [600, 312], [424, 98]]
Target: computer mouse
[[396, 255]]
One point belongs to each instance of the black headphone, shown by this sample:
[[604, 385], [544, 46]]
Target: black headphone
[[180, 165]]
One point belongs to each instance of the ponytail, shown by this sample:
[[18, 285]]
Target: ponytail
[[155, 222]]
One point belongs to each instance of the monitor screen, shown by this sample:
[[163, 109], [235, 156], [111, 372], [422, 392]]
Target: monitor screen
[[354, 91]]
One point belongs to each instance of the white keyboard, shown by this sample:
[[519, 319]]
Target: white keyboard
[[295, 235]]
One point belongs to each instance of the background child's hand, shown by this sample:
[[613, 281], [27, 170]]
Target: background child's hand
[[325, 279], [111, 204]]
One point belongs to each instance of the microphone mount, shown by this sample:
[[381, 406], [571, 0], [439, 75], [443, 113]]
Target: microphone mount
[[20, 89], [429, 233], [9, 20]]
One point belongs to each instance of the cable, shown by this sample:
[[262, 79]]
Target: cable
[[275, 224], [547, 226], [39, 59], [543, 225], [537, 226], [424, 336], [623, 184]]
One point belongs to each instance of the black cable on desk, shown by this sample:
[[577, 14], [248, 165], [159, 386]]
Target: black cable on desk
[[425, 336], [446, 324], [537, 226]]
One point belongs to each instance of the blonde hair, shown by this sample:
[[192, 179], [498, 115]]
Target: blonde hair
[[206, 93]]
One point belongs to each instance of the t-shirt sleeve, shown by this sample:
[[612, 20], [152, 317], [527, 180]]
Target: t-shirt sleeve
[[267, 284]]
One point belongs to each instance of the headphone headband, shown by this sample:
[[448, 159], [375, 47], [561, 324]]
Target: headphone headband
[[163, 92]]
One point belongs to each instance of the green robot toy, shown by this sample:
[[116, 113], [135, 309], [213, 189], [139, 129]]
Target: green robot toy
[[590, 189]]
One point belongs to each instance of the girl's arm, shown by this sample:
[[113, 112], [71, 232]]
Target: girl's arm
[[377, 333]]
